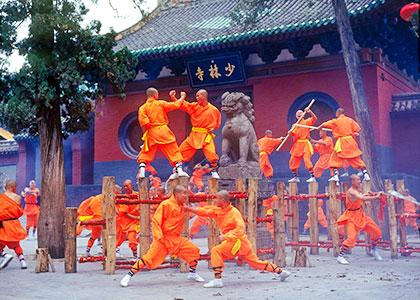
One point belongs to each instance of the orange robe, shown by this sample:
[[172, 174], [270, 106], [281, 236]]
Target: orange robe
[[203, 119], [153, 117], [167, 225], [325, 151], [236, 244], [149, 168], [302, 148], [31, 209], [266, 146], [197, 177], [91, 209], [355, 220], [126, 226], [269, 203], [411, 208], [10, 229], [344, 129], [322, 219]]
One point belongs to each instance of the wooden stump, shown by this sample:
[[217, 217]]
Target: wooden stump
[[213, 185], [299, 258], [313, 217], [279, 228], [333, 217], [41, 260], [183, 266], [400, 209], [240, 184], [252, 212], [70, 255], [328, 215], [294, 209], [392, 219], [367, 208], [144, 232], [108, 195]]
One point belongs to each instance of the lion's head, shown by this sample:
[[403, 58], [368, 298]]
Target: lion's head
[[236, 103]]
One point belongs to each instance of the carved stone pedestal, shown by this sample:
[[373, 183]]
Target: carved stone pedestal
[[235, 171]]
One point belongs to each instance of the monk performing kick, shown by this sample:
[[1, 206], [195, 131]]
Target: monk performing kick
[[266, 145], [235, 243], [197, 176], [11, 231], [302, 148], [344, 130], [205, 118], [31, 209], [167, 225], [355, 220], [153, 119]]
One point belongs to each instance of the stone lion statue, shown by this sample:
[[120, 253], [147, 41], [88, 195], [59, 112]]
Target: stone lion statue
[[239, 145]]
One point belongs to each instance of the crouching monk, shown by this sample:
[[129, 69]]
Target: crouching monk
[[167, 225], [355, 220], [235, 243]]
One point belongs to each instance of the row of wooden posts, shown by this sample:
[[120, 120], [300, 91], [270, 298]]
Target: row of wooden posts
[[248, 205]]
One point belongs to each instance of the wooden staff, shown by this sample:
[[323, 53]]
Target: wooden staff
[[313, 127], [294, 125]]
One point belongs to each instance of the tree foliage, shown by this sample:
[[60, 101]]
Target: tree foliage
[[247, 13], [67, 65]]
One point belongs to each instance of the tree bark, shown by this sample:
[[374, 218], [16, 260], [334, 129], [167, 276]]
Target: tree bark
[[357, 88], [53, 200]]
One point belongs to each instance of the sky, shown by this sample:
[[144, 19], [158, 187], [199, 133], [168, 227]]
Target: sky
[[125, 16]]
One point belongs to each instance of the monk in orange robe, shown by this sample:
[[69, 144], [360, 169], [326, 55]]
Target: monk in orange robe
[[31, 209], [128, 221], [325, 148], [355, 220], [205, 118], [155, 181], [197, 176], [345, 130], [149, 168], [235, 243], [266, 145], [302, 148], [410, 208], [153, 119], [322, 219], [167, 225], [269, 204], [11, 231], [199, 221]]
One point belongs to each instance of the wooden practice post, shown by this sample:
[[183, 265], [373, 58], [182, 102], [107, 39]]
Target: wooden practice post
[[392, 219], [400, 209], [367, 208], [183, 267], [143, 185], [334, 217], [294, 209], [240, 184], [41, 260], [213, 185], [252, 212], [70, 254], [313, 217], [279, 228], [108, 195], [328, 214]]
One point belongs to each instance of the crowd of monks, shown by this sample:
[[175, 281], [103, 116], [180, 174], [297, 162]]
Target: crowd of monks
[[167, 218]]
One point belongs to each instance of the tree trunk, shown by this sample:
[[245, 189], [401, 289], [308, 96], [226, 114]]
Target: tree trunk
[[357, 88], [53, 200]]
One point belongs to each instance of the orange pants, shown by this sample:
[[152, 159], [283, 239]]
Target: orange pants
[[171, 151], [11, 245], [322, 219], [322, 164], [209, 150], [222, 252], [338, 162], [412, 222], [32, 221], [131, 236], [295, 161], [265, 165], [197, 223], [169, 244], [371, 228]]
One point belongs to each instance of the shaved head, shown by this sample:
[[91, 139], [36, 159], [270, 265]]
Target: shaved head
[[339, 111], [353, 177], [10, 185], [224, 194], [150, 92], [179, 189], [128, 181], [268, 131], [203, 92]]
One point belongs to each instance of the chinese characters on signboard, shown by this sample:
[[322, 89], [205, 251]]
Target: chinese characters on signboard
[[216, 70]]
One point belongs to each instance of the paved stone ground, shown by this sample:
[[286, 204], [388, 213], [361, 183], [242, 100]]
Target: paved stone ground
[[364, 278]]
